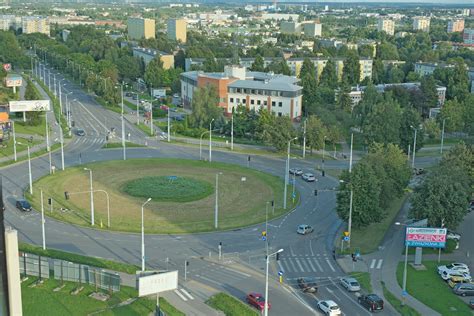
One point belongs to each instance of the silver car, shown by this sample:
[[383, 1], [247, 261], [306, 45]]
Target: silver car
[[350, 284], [308, 177], [304, 229]]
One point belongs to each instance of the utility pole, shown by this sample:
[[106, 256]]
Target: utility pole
[[351, 196], [216, 207], [29, 171], [210, 140], [123, 127], [442, 137], [304, 139], [169, 125], [14, 141], [42, 221], [232, 131]]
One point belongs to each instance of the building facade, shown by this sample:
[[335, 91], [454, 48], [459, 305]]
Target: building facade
[[468, 36], [139, 28], [386, 25], [35, 24], [455, 25], [7, 22], [148, 54], [177, 29], [312, 29], [236, 86], [421, 23]]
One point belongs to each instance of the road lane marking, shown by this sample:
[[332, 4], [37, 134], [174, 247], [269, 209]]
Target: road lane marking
[[187, 294], [180, 295], [330, 265], [299, 264], [303, 262], [379, 265], [372, 263], [238, 272], [311, 264], [311, 248], [208, 280], [292, 264], [280, 266], [317, 263]]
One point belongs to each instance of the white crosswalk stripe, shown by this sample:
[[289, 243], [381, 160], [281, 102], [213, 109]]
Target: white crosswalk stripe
[[305, 264], [317, 263], [311, 264], [372, 263], [379, 264], [181, 296], [299, 264], [187, 294]]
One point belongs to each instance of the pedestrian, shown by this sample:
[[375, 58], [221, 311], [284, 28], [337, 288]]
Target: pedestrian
[[334, 254], [53, 168]]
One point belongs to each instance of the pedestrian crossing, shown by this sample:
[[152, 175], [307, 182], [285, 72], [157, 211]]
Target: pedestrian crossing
[[305, 264], [376, 264], [183, 294]]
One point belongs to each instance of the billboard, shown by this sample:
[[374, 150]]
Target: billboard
[[13, 81], [158, 93], [29, 106], [155, 282], [425, 237]]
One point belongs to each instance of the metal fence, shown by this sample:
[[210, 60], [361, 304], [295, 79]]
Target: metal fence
[[68, 271]]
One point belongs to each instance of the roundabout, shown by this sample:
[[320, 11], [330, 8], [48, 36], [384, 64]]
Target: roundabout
[[182, 192]]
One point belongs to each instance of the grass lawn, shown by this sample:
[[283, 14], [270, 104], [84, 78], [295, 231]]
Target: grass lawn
[[92, 261], [243, 194], [428, 287], [146, 129], [364, 280], [33, 155], [230, 305], [113, 108], [397, 304], [119, 145], [22, 128], [8, 151], [367, 239], [42, 300]]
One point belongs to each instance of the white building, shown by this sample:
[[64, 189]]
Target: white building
[[386, 25], [421, 23], [35, 24], [468, 36], [7, 22]]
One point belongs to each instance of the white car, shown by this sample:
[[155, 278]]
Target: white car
[[329, 308], [446, 275], [308, 177], [350, 284], [455, 266], [304, 229], [453, 236], [296, 171]]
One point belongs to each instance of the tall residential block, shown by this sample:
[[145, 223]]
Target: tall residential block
[[312, 29], [35, 24], [177, 29], [468, 36], [386, 25], [456, 25], [421, 23], [7, 22], [139, 28]]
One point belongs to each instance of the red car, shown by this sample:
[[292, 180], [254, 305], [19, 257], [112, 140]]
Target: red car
[[257, 300]]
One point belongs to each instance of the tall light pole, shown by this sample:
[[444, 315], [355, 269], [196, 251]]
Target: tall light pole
[[304, 139], [404, 283], [287, 171], [210, 140], [324, 150], [169, 125], [14, 141], [442, 137], [62, 146], [414, 149], [48, 148], [349, 224], [92, 195], [232, 131], [29, 171], [143, 236], [216, 206], [138, 109], [266, 281], [123, 126], [42, 221]]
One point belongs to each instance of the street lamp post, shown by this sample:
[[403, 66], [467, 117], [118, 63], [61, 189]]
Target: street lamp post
[[304, 139], [232, 131], [92, 195], [138, 109], [123, 126], [169, 125], [62, 146], [414, 149], [442, 137], [404, 283], [349, 222], [266, 281], [324, 150], [29, 171], [210, 140], [216, 208], [14, 141], [143, 236], [42, 221], [287, 171]]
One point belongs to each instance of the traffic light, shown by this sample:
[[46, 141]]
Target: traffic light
[[277, 257], [249, 158], [187, 263], [273, 203], [66, 195], [50, 200], [316, 192]]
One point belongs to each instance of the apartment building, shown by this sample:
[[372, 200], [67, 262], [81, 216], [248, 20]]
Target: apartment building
[[312, 29], [139, 28], [7, 22], [421, 23], [308, 28], [236, 86], [456, 25], [468, 36], [177, 29], [148, 54], [386, 25], [35, 24]]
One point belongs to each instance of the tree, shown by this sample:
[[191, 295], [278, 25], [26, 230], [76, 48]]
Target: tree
[[154, 73], [258, 64], [129, 67], [205, 107], [383, 123], [366, 51], [279, 67], [432, 129], [31, 93], [344, 101], [310, 87], [429, 96], [315, 132], [179, 60], [366, 105], [387, 51], [395, 75], [307, 69], [351, 71], [328, 76], [410, 119], [453, 112], [378, 71], [280, 133]]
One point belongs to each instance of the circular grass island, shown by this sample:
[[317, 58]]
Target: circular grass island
[[182, 192]]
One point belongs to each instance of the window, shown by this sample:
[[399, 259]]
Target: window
[[280, 104], [239, 90], [231, 100], [252, 101], [238, 100], [244, 101], [258, 102], [264, 102], [279, 114], [273, 103]]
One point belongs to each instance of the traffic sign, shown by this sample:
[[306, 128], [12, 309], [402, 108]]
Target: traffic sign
[[264, 238], [346, 233], [404, 293], [293, 195], [280, 273], [346, 238]]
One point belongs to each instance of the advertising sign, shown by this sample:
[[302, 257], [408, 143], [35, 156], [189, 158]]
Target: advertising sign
[[13, 81], [29, 106], [159, 93], [425, 237], [7, 67], [156, 282]]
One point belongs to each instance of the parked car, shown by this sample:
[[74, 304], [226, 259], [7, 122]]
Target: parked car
[[455, 266], [453, 236], [308, 177], [459, 279], [80, 132], [446, 275], [471, 304], [350, 284], [372, 302], [23, 205], [128, 94], [329, 308], [308, 285], [257, 300], [296, 171], [304, 229], [464, 289]]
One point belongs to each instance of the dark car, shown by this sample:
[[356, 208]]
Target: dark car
[[128, 94], [307, 285], [80, 132], [372, 302], [23, 205], [471, 304]]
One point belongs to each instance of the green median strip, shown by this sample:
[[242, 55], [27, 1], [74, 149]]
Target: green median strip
[[119, 145], [230, 305], [364, 280], [397, 304]]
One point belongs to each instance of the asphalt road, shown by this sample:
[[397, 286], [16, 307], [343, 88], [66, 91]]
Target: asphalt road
[[309, 255]]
